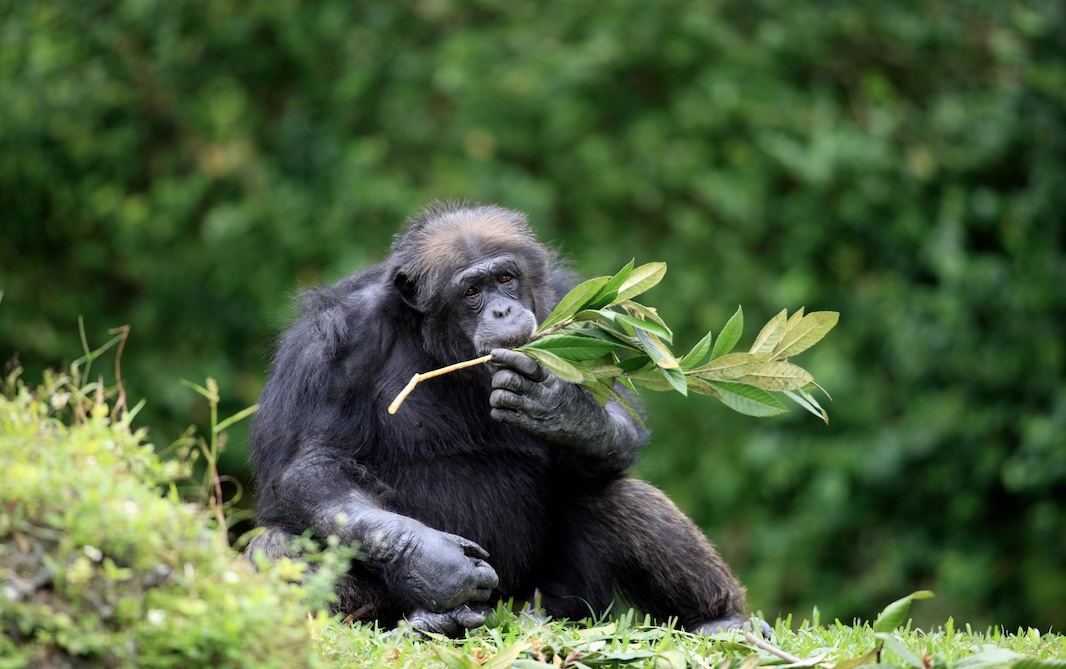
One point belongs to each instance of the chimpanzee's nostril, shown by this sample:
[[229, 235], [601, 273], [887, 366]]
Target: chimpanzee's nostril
[[501, 313]]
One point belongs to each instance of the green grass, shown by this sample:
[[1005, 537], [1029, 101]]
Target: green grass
[[515, 640], [104, 563]]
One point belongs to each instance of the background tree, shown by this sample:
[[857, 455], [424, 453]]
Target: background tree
[[185, 167]]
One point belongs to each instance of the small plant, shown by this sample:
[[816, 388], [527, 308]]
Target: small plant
[[211, 448], [598, 335]]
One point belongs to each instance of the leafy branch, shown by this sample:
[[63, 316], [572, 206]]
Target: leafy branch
[[598, 335]]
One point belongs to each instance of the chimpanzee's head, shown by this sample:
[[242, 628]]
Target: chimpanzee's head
[[476, 275]]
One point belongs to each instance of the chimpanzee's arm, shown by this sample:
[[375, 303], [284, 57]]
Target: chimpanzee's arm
[[314, 433], [428, 569]]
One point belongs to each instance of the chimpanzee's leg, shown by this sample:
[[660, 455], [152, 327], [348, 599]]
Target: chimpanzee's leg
[[626, 534]]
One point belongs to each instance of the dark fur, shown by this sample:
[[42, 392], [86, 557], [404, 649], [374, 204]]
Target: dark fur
[[552, 523]]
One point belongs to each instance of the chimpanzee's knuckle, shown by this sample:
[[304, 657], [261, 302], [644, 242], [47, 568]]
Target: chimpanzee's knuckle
[[528, 366], [505, 379], [499, 398], [503, 399], [503, 416]]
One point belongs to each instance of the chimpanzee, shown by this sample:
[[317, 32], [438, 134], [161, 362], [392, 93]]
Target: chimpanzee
[[494, 482]]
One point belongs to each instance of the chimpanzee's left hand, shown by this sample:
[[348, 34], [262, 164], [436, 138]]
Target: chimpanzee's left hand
[[526, 395]]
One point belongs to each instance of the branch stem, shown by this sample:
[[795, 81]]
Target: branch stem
[[418, 378], [770, 648]]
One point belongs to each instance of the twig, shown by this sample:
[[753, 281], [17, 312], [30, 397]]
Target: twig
[[770, 648], [418, 378], [120, 403]]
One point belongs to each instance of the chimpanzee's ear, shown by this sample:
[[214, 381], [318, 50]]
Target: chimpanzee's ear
[[407, 289]]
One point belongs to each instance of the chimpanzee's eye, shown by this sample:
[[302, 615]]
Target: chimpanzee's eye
[[504, 278], [472, 291]]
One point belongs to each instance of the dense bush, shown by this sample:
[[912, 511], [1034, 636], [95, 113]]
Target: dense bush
[[185, 167], [97, 567]]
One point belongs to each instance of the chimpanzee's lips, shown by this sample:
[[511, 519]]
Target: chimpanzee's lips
[[509, 342], [516, 339]]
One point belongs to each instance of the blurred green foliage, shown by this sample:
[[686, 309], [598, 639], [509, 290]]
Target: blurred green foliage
[[185, 167]]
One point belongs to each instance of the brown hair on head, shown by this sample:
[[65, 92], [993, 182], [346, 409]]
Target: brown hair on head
[[449, 236]]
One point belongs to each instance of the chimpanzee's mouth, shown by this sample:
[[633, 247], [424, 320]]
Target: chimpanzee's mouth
[[515, 340], [510, 342]]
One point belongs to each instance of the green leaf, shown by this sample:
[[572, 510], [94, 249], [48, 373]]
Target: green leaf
[[574, 348], [701, 387], [671, 659], [748, 400], [627, 405], [651, 379], [506, 657], [778, 376], [649, 314], [607, 321], [601, 372], [729, 366], [895, 614], [634, 364], [1000, 658], [770, 334], [639, 324], [640, 280], [698, 353], [808, 332], [599, 332], [557, 366], [807, 401], [730, 335], [453, 658], [657, 350], [596, 315], [793, 320], [676, 378], [852, 663], [609, 292], [574, 301], [600, 391]]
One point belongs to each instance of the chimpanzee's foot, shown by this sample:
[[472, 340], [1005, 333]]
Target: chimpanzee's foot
[[742, 623], [453, 623]]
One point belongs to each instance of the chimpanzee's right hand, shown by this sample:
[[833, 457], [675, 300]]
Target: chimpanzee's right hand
[[445, 570], [434, 570]]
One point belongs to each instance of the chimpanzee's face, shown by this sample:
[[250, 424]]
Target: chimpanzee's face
[[493, 304]]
